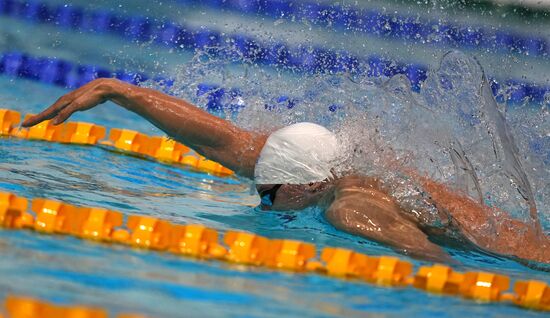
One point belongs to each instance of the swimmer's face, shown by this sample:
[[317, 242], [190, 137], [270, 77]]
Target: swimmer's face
[[282, 197]]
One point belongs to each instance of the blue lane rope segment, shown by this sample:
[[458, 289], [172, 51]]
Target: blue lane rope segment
[[71, 75], [348, 17]]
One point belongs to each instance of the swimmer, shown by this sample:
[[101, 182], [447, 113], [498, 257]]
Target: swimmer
[[292, 170]]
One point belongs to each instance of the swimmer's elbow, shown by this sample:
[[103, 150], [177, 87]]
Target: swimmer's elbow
[[239, 152], [400, 234], [339, 216]]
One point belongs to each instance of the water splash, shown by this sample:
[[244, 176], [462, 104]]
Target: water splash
[[453, 130]]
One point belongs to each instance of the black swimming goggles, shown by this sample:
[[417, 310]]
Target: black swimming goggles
[[268, 196]]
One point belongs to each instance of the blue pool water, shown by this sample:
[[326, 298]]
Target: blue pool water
[[69, 271]]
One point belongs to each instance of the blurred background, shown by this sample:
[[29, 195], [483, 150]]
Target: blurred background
[[510, 38]]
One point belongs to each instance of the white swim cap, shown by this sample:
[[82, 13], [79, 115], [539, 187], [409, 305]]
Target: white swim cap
[[297, 154]]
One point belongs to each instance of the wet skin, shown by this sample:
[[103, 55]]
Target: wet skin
[[355, 204]]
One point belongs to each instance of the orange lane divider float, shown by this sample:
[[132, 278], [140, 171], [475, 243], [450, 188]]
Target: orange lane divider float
[[532, 294], [26, 307], [146, 232], [290, 254], [196, 240], [438, 279], [246, 248], [9, 119], [166, 149], [162, 149], [484, 286], [81, 133]]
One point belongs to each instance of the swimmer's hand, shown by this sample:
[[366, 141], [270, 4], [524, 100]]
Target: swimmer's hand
[[210, 136], [83, 98]]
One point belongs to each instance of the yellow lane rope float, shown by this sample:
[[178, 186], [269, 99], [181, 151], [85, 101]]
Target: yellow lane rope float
[[26, 307], [108, 226], [198, 241], [160, 148]]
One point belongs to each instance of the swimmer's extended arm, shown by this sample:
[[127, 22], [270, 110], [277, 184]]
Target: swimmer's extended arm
[[213, 137], [367, 212]]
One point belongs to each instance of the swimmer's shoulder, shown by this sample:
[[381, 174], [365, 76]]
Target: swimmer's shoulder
[[357, 182], [360, 187]]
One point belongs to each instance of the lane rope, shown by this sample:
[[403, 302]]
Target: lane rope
[[160, 148], [200, 242], [16, 306], [409, 28]]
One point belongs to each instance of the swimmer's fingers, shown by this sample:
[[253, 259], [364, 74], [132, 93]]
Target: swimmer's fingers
[[49, 112], [63, 102], [54, 109], [81, 103]]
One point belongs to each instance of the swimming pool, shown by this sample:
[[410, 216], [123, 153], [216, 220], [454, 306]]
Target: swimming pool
[[67, 270]]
